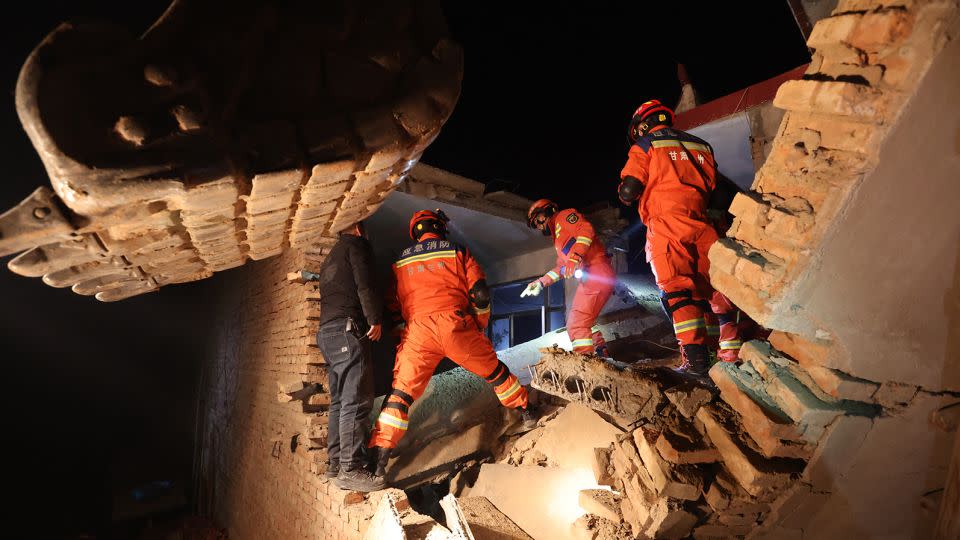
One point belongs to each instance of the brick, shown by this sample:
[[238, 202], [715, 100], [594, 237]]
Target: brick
[[792, 396], [774, 432], [670, 520], [725, 494], [670, 480], [601, 466], [724, 256], [879, 30], [820, 361], [759, 271], [685, 446], [757, 475], [835, 98], [832, 31], [750, 208]]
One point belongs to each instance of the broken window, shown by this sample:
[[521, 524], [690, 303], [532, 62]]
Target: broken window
[[516, 320]]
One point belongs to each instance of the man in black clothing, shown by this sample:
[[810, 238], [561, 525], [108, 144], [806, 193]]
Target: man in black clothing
[[350, 311]]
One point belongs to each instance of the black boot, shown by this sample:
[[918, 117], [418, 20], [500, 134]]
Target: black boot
[[380, 458], [694, 360]]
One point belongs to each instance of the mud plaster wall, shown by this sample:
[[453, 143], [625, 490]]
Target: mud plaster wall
[[886, 284]]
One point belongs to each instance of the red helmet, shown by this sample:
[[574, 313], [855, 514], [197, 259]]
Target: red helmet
[[539, 212], [651, 113], [428, 221]]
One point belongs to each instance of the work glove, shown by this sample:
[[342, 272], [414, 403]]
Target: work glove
[[570, 268], [533, 289]]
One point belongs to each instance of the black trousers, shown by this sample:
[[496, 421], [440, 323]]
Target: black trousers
[[350, 377]]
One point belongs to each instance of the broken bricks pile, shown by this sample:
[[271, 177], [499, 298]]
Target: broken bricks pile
[[693, 462]]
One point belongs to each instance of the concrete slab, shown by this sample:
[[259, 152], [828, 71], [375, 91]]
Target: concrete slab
[[569, 439], [543, 501], [488, 523]]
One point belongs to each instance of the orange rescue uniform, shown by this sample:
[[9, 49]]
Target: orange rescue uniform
[[673, 206], [433, 278], [577, 246]]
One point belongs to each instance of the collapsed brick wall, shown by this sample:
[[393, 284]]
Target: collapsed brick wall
[[868, 416], [219, 137], [263, 427]]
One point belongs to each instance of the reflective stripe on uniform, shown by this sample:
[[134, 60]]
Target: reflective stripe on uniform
[[553, 275], [731, 345], [392, 421], [584, 240], [509, 392], [427, 257], [483, 311], [691, 324], [713, 330], [586, 342], [686, 145]]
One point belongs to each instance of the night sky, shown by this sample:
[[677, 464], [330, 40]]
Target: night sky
[[100, 394]]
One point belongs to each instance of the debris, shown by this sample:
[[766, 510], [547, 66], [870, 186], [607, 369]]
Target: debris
[[488, 523], [601, 502]]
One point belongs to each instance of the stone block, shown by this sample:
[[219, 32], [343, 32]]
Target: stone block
[[670, 480], [758, 476], [602, 503]]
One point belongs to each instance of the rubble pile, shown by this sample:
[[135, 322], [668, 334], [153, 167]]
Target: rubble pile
[[689, 458]]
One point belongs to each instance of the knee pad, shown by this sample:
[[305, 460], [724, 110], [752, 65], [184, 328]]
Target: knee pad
[[686, 299]]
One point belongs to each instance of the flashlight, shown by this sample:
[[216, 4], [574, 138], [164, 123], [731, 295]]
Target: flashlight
[[578, 273]]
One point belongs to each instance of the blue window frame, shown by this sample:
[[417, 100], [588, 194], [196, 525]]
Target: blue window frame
[[515, 320]]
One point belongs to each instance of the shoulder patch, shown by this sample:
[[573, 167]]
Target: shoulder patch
[[573, 218]]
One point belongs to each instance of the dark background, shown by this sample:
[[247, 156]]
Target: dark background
[[98, 396]]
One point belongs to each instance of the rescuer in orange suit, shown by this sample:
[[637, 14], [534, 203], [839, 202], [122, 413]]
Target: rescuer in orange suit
[[672, 174], [442, 295], [578, 249]]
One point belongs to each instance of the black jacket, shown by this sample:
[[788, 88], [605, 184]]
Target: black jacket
[[346, 283]]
